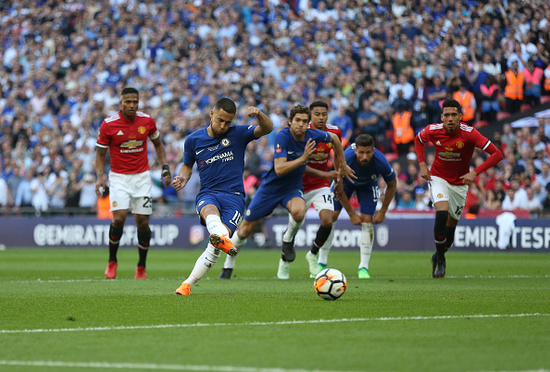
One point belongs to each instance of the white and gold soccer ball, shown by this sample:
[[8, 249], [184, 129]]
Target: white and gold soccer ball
[[330, 284]]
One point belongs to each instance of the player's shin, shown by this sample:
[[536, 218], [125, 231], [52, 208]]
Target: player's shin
[[450, 233], [144, 238], [291, 230], [204, 263], [322, 235], [239, 244], [440, 229], [325, 248], [367, 239], [114, 240]]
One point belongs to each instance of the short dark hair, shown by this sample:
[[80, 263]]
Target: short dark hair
[[300, 109], [225, 104], [364, 140], [452, 103], [318, 104], [129, 90]]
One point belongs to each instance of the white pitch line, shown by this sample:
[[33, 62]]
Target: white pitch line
[[151, 366], [38, 281], [284, 322]]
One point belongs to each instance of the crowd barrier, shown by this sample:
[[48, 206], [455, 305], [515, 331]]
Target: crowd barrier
[[396, 233]]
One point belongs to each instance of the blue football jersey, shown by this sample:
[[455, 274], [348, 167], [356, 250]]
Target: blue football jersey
[[287, 147], [368, 176], [220, 161]]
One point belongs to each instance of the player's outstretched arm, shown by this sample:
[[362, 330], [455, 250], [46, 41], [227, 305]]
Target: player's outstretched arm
[[166, 176], [100, 169], [184, 175], [340, 159], [265, 125], [330, 175], [380, 216]]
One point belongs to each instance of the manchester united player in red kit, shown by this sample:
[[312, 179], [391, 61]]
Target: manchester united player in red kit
[[125, 136], [450, 174]]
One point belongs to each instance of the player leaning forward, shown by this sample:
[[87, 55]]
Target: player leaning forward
[[125, 135], [218, 150], [450, 175]]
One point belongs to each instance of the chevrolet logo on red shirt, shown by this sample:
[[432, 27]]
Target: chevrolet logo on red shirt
[[132, 144]]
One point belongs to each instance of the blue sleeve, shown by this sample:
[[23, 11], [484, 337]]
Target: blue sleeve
[[247, 132], [384, 167], [281, 146], [189, 151], [320, 135]]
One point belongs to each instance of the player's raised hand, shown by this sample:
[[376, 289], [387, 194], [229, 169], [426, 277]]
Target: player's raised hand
[[179, 183], [253, 111]]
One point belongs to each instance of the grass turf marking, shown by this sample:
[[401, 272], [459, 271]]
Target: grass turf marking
[[286, 322]]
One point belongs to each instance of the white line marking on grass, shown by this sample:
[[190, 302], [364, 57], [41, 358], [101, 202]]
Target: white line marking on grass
[[284, 322], [167, 367], [257, 278]]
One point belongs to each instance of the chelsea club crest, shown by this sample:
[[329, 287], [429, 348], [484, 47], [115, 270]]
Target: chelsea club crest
[[225, 142]]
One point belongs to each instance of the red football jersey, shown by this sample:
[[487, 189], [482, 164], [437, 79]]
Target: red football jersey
[[319, 160], [453, 152], [127, 141]]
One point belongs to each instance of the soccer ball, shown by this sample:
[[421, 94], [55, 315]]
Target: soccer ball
[[330, 284]]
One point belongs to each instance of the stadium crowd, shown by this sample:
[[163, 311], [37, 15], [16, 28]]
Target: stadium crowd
[[383, 66]]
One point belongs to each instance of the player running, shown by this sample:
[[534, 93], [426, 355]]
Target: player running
[[450, 174], [283, 183]]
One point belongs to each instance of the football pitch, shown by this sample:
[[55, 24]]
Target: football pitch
[[58, 313]]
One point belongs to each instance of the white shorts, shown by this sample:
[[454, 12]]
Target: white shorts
[[454, 194], [322, 198], [131, 190]]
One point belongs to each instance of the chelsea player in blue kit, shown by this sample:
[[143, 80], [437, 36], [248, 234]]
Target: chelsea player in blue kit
[[283, 183], [219, 151], [368, 163]]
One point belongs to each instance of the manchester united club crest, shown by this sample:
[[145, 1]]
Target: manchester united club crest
[[142, 130], [459, 145], [225, 142]]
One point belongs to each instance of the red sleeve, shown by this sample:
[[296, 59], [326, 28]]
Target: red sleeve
[[491, 161], [104, 138], [420, 145]]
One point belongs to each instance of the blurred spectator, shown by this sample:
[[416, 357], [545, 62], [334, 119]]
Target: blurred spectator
[[368, 122], [492, 202], [61, 70], [467, 101], [406, 201], [403, 133], [514, 88], [533, 83], [532, 203]]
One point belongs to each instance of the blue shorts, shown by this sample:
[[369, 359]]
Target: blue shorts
[[267, 199], [230, 205], [367, 197]]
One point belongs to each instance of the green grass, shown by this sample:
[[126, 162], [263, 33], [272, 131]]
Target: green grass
[[400, 320]]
